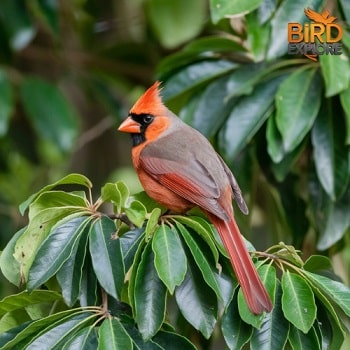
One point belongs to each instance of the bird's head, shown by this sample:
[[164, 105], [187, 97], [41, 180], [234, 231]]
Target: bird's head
[[148, 117]]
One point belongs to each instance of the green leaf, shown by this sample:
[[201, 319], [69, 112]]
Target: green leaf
[[129, 243], [298, 302], [330, 153], [317, 263], [336, 73], [301, 341], [331, 218], [55, 336], [236, 332], [69, 276], [150, 296], [273, 333], [49, 10], [113, 336], [220, 9], [289, 11], [56, 249], [10, 267], [85, 339], [24, 299], [212, 108], [106, 255], [202, 228], [345, 102], [247, 116], [202, 262], [295, 94], [6, 102], [37, 231], [17, 22], [169, 21], [71, 179], [258, 34], [196, 301], [136, 213], [199, 49], [90, 289], [172, 341], [336, 292], [152, 222], [267, 274], [117, 193], [31, 329], [50, 112], [169, 257], [194, 75]]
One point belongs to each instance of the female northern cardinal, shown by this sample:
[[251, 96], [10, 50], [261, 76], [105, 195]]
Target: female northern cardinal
[[179, 168]]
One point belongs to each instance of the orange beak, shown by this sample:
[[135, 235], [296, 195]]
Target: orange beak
[[129, 125]]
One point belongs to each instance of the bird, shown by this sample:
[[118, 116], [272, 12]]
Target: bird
[[316, 17], [179, 168]]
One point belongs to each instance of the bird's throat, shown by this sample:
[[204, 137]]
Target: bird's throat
[[137, 139]]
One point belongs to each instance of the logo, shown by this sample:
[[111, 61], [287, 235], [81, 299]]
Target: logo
[[321, 36]]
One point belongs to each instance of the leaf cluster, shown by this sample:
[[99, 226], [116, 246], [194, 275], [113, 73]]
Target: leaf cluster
[[111, 279]]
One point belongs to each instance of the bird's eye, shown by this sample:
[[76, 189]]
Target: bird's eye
[[147, 119]]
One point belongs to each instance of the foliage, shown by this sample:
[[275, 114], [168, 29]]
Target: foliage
[[133, 262], [281, 122]]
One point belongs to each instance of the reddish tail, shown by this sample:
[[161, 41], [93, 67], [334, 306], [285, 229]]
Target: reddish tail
[[252, 287]]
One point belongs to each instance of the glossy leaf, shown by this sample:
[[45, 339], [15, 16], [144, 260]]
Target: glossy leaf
[[201, 227], [169, 17], [24, 299], [345, 102], [317, 263], [31, 329], [267, 274], [113, 336], [56, 335], [247, 117], [220, 9], [301, 341], [330, 153], [194, 75], [55, 250], [50, 112], [10, 267], [85, 339], [69, 276], [152, 222], [71, 179], [89, 287], [331, 218], [169, 257], [106, 255], [172, 341], [207, 270], [295, 94], [136, 213], [236, 332], [289, 11], [150, 296], [6, 102], [337, 292], [196, 301], [129, 243], [273, 333], [336, 73], [117, 193], [298, 302], [212, 108]]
